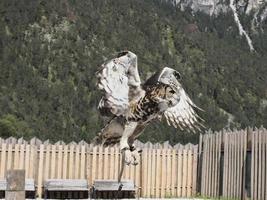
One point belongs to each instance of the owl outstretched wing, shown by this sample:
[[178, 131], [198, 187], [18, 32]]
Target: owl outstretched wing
[[183, 114], [119, 80], [180, 111]]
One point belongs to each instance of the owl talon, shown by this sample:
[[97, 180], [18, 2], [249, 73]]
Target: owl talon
[[128, 157], [136, 157], [131, 157]]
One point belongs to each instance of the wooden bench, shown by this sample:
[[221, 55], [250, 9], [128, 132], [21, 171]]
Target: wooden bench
[[108, 189], [29, 188], [66, 189]]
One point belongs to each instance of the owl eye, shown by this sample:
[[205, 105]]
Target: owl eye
[[123, 53], [172, 91], [177, 75]]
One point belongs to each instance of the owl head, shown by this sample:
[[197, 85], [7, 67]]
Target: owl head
[[167, 84]]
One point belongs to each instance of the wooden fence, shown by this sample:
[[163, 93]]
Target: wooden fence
[[164, 171], [233, 164], [229, 164]]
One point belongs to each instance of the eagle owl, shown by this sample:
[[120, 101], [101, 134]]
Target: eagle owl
[[132, 105]]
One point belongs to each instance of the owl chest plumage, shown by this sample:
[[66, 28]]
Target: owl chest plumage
[[147, 107]]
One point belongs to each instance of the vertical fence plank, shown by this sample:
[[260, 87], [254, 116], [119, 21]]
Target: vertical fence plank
[[77, 164], [232, 160], [16, 157], [65, 161], [32, 161], [59, 161], [163, 173], [94, 164], [213, 160], [179, 173], [153, 173], [204, 165], [3, 160], [208, 170], [234, 166], [230, 179], [106, 163], [53, 162], [47, 161], [169, 172], [242, 180], [256, 162], [243, 192], [116, 162], [238, 159], [88, 166], [82, 164], [158, 171], [111, 163], [173, 173], [219, 162], [184, 171], [137, 175], [100, 163], [27, 160], [194, 172], [216, 160], [252, 166], [9, 157], [259, 165], [144, 172], [225, 163], [71, 162], [245, 143], [189, 172], [149, 172], [212, 164], [228, 176], [239, 164], [21, 156], [40, 171], [200, 164]]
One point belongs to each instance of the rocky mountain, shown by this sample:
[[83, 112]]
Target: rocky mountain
[[257, 8], [216, 7]]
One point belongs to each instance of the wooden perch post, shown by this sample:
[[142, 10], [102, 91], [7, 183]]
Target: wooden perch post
[[15, 189]]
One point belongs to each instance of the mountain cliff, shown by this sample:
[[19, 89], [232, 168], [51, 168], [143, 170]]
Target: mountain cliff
[[256, 8], [216, 7]]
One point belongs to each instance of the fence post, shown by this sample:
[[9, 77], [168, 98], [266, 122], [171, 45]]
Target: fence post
[[15, 185], [199, 164]]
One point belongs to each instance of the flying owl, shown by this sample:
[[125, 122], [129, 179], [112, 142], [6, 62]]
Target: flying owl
[[132, 105]]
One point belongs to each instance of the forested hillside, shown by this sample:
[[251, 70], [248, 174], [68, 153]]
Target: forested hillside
[[50, 51]]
